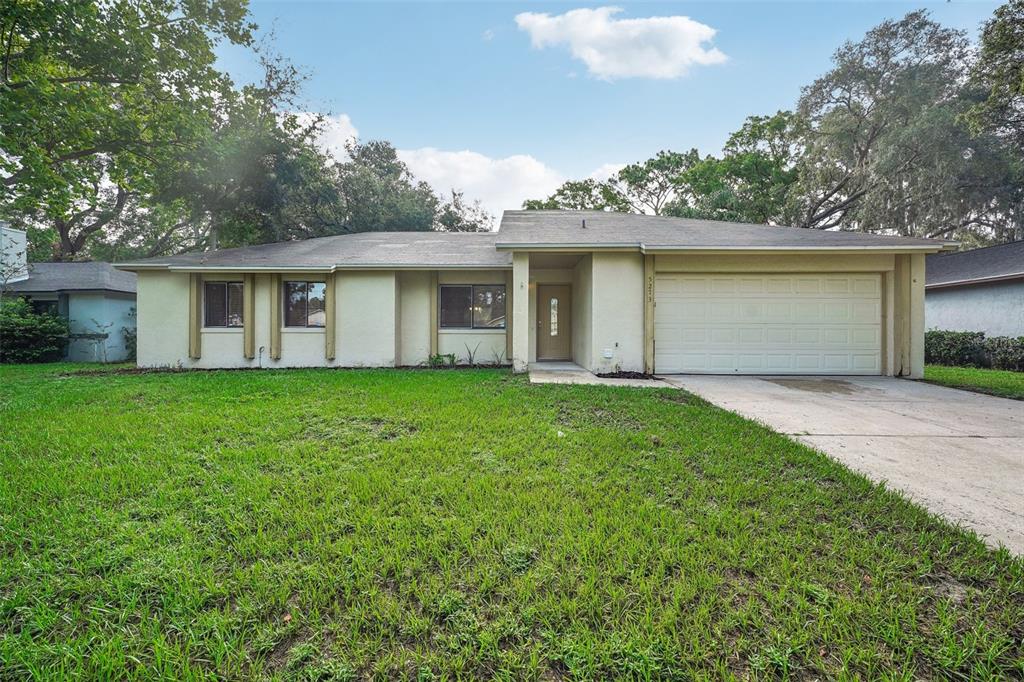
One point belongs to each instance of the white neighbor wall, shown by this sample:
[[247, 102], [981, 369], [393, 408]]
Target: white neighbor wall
[[996, 309], [13, 255]]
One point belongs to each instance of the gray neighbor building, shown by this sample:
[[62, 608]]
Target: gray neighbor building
[[980, 290]]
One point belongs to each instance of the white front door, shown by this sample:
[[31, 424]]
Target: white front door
[[768, 324]]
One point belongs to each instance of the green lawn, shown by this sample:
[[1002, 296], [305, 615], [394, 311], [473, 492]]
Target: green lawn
[[993, 381], [460, 524]]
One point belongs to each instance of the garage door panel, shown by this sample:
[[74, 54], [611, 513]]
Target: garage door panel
[[754, 323]]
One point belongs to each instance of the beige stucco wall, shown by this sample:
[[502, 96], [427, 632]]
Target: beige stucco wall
[[366, 318], [382, 319], [582, 313], [618, 312], [414, 320], [162, 319]]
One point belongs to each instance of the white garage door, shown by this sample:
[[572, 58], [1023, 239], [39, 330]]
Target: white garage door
[[768, 324]]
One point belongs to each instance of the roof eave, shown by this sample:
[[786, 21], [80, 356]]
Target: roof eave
[[716, 249], [312, 268], [974, 281]]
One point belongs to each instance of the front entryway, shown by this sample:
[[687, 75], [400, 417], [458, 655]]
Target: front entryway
[[554, 322]]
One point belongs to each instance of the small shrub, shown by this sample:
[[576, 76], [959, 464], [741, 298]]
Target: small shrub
[[441, 360], [956, 349], [1005, 352], [972, 349], [26, 336], [131, 335]]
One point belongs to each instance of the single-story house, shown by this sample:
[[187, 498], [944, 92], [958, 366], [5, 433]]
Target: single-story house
[[97, 300], [607, 291], [981, 290]]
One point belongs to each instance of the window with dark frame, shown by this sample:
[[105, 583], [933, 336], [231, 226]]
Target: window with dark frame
[[472, 306], [304, 304], [223, 304]]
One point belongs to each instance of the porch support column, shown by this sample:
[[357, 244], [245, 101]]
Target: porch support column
[[275, 317], [649, 314], [249, 316], [509, 298], [195, 306], [916, 316], [908, 315], [520, 311], [330, 302], [433, 313]]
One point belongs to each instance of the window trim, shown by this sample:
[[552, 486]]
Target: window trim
[[441, 327], [284, 306], [227, 326]]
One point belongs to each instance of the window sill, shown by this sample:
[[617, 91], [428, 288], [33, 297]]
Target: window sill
[[222, 330], [459, 330], [302, 330]]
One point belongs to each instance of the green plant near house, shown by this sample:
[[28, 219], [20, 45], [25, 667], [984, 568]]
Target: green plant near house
[[131, 337], [973, 349], [27, 336], [1004, 352], [471, 353], [439, 360]]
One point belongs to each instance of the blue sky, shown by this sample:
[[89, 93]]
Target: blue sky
[[506, 109]]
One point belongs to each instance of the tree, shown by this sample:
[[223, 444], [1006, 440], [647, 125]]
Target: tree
[[95, 98], [649, 186], [456, 215], [999, 71], [580, 195], [886, 149], [752, 180], [644, 187]]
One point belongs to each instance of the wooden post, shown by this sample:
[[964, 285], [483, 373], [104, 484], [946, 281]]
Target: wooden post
[[649, 314], [433, 313], [508, 316], [249, 316], [195, 307], [329, 316], [275, 317]]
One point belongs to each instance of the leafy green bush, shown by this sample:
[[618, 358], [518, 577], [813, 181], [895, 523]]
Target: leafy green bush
[[972, 349], [955, 349], [131, 338], [26, 336], [1005, 352]]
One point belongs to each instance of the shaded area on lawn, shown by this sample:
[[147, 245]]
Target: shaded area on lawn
[[996, 382], [321, 524]]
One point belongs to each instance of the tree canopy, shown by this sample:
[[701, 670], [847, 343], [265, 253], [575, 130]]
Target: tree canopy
[[908, 133], [120, 138]]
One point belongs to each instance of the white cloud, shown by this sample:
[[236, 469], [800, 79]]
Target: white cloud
[[487, 35], [499, 183], [606, 171], [652, 47], [337, 130]]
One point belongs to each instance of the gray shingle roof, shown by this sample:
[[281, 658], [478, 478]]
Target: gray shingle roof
[[1005, 261], [365, 249], [549, 228], [521, 228], [93, 276]]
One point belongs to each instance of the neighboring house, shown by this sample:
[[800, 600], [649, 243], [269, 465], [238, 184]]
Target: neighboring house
[[97, 300], [607, 291], [977, 291]]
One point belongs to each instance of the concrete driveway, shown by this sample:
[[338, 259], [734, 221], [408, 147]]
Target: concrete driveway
[[960, 454]]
